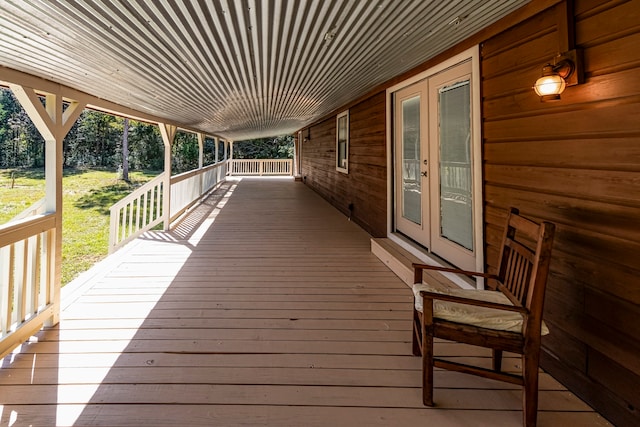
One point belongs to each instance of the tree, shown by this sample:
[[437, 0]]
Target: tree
[[279, 147], [21, 145], [95, 139], [125, 149], [146, 149], [209, 152], [98, 135], [185, 152]]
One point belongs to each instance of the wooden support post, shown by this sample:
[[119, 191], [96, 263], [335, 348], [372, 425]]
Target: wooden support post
[[200, 150], [296, 154], [168, 133], [231, 156], [53, 124], [228, 171], [200, 161], [217, 141]]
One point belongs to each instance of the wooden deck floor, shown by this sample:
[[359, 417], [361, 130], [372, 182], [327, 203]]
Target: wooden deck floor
[[264, 308]]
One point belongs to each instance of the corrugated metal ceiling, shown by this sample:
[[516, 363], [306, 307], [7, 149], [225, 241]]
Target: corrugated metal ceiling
[[237, 69]]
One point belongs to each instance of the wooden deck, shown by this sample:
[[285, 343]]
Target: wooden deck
[[264, 307]]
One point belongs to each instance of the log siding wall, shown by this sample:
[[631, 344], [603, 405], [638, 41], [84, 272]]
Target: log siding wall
[[575, 162], [365, 186]]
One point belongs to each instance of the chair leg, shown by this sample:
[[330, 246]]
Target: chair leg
[[497, 360], [427, 365], [417, 332], [530, 390]]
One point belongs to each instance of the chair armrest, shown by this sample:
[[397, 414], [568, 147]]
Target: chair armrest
[[475, 302], [420, 267]]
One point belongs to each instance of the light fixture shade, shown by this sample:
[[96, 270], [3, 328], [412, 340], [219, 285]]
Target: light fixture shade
[[550, 85]]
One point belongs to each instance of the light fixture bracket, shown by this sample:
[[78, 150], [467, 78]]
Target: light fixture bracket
[[569, 66]]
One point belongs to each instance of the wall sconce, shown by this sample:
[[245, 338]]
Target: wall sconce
[[308, 137], [566, 71]]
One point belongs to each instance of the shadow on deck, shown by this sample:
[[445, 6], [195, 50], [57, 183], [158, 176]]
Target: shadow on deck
[[263, 307]]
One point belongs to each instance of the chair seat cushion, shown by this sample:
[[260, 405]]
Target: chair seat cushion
[[482, 317]]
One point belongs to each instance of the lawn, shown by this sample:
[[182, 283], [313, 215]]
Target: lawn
[[87, 196]]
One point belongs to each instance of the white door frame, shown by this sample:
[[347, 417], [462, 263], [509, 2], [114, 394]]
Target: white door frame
[[472, 54]]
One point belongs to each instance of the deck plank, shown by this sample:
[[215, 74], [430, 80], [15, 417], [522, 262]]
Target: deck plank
[[285, 416], [268, 311]]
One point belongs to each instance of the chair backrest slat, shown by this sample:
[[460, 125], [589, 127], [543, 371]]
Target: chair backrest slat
[[524, 261]]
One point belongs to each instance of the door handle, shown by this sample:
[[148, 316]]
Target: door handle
[[424, 174]]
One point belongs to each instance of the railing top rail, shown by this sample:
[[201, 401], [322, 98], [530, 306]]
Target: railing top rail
[[135, 194], [19, 230], [34, 209], [184, 175], [262, 160], [214, 165], [465, 165], [189, 174]]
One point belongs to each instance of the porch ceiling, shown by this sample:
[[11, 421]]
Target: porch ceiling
[[236, 69]]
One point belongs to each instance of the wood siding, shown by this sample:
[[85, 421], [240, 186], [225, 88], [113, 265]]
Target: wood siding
[[365, 186], [576, 163]]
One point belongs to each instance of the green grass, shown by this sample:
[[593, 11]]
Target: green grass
[[86, 198], [18, 191]]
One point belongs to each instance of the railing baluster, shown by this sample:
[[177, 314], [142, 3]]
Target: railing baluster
[[50, 260], [152, 207], [123, 222], [12, 278], [22, 278], [24, 282], [160, 194], [137, 226], [37, 265], [144, 209], [5, 288], [131, 205], [261, 167]]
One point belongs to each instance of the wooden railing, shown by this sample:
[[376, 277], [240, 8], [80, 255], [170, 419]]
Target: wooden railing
[[26, 277], [411, 170], [455, 177], [138, 212], [188, 187], [261, 167], [35, 209], [141, 210]]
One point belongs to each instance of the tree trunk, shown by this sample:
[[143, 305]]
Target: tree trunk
[[125, 150]]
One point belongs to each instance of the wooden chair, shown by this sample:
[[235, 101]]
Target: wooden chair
[[508, 317]]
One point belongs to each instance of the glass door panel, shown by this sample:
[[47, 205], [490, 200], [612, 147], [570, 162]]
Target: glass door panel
[[455, 192], [452, 184], [411, 182]]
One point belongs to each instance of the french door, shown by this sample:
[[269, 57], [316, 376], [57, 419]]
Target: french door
[[434, 164]]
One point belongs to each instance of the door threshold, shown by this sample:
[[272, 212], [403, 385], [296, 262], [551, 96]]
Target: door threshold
[[398, 253]]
